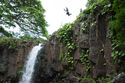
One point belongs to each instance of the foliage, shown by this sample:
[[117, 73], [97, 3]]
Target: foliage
[[82, 18], [11, 42], [83, 14], [87, 79], [117, 25], [119, 20], [8, 42], [61, 55], [91, 3], [84, 59], [69, 59], [106, 8], [93, 24], [28, 37], [84, 27], [4, 32], [104, 80], [65, 36], [118, 51], [118, 30], [20, 72], [79, 17], [27, 14]]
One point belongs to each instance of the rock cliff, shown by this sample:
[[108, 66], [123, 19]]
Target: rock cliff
[[95, 66], [80, 52], [12, 61]]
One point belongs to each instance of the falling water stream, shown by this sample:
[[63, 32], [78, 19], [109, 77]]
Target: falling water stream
[[29, 65]]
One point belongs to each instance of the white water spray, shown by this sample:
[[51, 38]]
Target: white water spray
[[29, 65]]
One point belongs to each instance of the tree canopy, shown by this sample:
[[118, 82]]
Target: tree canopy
[[117, 25], [93, 2], [27, 14]]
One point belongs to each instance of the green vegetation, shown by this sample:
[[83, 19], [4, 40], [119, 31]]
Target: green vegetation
[[118, 31], [92, 8], [104, 80], [61, 55], [65, 36], [79, 17], [11, 42], [84, 27], [93, 24], [83, 14], [91, 3], [20, 72], [8, 42], [119, 21], [28, 37], [4, 32], [84, 60], [27, 14], [117, 9], [106, 8], [87, 79]]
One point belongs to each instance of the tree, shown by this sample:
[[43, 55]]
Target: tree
[[4, 32], [93, 2], [27, 14], [117, 25], [90, 2]]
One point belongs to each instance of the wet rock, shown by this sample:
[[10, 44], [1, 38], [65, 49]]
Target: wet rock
[[119, 79]]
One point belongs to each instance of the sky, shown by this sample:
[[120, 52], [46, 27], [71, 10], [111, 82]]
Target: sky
[[55, 14]]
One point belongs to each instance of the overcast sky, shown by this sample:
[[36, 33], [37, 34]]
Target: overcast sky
[[55, 14]]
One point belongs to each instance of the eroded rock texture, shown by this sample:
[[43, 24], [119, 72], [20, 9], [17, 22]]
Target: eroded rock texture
[[52, 66], [51, 69], [12, 61]]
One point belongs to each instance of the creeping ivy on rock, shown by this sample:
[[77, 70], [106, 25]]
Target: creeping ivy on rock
[[65, 36]]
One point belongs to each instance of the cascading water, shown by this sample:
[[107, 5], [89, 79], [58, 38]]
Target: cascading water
[[29, 65]]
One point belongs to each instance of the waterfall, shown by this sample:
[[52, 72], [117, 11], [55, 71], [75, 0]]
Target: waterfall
[[29, 65]]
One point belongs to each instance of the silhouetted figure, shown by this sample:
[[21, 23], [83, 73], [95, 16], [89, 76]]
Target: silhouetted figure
[[67, 11]]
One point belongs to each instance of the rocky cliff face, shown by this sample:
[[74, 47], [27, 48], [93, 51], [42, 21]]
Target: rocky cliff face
[[12, 61], [51, 68], [85, 59]]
